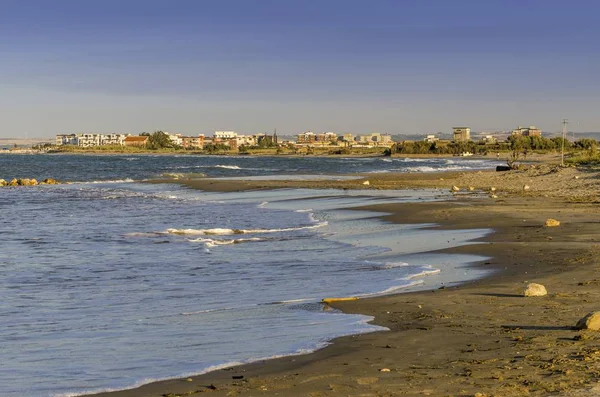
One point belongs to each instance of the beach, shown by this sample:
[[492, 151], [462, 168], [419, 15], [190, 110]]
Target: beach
[[481, 338]]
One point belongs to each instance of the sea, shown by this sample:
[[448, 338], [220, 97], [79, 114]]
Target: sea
[[108, 282]]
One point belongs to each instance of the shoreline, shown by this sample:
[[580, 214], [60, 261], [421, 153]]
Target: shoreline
[[340, 368]]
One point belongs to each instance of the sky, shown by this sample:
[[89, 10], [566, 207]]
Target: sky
[[397, 66]]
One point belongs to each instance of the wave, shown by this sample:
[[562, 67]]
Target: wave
[[393, 265], [428, 270], [227, 232], [229, 167], [392, 289], [208, 242], [126, 180]]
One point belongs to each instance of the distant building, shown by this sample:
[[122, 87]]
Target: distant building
[[90, 139], [527, 131], [225, 135], [67, 139], [306, 138], [193, 142], [327, 138], [136, 140], [461, 134], [375, 139], [348, 137], [431, 138], [489, 140]]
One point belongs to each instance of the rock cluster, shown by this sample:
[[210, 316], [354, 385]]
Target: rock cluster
[[28, 182], [552, 222]]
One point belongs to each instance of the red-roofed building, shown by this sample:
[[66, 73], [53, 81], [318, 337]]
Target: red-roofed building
[[136, 141]]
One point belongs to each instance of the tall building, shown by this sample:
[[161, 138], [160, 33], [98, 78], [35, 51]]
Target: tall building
[[461, 134], [527, 131]]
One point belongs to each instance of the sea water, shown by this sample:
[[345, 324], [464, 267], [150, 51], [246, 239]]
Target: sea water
[[108, 285]]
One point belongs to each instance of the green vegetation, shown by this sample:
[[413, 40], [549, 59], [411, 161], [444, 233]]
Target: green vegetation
[[160, 140]]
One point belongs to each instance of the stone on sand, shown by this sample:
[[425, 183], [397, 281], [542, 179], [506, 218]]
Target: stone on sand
[[526, 188], [366, 183], [591, 321], [455, 189], [552, 222], [534, 289]]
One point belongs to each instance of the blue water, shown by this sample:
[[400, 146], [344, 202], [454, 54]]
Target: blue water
[[108, 285], [64, 167]]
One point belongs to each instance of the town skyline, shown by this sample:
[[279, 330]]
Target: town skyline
[[392, 66]]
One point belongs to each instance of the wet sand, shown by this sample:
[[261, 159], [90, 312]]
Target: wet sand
[[481, 337]]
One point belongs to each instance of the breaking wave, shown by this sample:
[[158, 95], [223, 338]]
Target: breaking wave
[[227, 232]]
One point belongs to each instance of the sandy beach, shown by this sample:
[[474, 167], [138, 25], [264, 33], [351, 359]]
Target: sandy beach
[[482, 338]]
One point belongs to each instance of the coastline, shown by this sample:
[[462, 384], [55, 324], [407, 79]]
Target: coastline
[[481, 336]]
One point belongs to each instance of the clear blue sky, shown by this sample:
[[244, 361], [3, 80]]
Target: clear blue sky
[[398, 66]]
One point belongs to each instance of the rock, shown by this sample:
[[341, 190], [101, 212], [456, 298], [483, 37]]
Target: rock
[[576, 177], [492, 189], [3, 182], [384, 370], [591, 321], [552, 222], [526, 188], [500, 168], [493, 196], [50, 181], [534, 289], [455, 189], [13, 182], [471, 188], [366, 183]]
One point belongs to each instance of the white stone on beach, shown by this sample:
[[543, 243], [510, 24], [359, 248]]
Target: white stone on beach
[[534, 289], [471, 188], [526, 187], [552, 222], [455, 188], [591, 321], [366, 183], [493, 196], [492, 189]]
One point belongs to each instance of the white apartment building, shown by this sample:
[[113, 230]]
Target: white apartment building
[[375, 139], [90, 140], [67, 139], [225, 135]]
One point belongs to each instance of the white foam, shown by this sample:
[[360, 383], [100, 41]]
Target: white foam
[[229, 167], [393, 265], [392, 289], [427, 271], [225, 232], [205, 232], [213, 243], [127, 180], [264, 203]]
